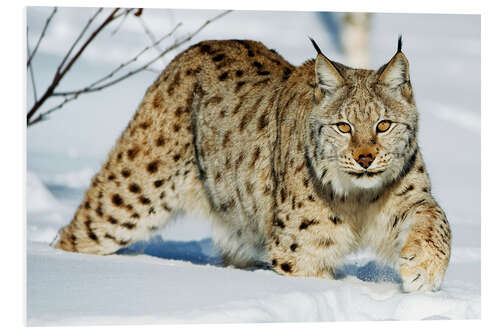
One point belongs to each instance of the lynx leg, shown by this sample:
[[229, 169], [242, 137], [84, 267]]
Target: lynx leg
[[314, 251], [150, 174], [113, 216], [426, 252], [307, 239]]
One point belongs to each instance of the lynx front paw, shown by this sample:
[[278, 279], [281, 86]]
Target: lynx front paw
[[421, 269]]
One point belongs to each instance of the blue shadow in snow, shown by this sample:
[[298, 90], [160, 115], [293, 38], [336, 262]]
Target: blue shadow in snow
[[372, 272], [197, 252], [203, 252]]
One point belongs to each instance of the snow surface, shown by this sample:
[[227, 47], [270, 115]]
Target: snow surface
[[176, 276], [120, 289]]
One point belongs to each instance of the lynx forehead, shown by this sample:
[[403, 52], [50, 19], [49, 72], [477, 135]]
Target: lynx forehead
[[296, 166]]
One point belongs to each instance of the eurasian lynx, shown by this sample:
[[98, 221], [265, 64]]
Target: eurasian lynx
[[298, 166]]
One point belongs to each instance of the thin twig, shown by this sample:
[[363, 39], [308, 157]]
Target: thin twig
[[152, 70], [121, 23], [150, 34], [174, 46], [30, 66], [72, 95], [117, 69], [60, 74], [43, 115], [42, 35], [70, 50]]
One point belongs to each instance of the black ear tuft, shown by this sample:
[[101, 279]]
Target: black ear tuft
[[316, 47], [400, 43]]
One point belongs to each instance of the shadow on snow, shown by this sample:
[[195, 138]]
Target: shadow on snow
[[203, 252]]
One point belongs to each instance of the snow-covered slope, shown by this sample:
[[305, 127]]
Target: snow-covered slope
[[176, 276]]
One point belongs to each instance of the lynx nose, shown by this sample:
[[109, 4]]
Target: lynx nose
[[364, 158]]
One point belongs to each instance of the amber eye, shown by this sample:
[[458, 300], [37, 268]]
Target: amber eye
[[344, 127], [383, 126]]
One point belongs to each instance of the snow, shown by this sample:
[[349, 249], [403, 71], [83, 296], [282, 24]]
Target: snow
[[40, 199], [75, 179], [122, 289], [176, 276]]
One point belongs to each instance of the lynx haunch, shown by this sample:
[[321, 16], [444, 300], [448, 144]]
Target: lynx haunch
[[296, 166]]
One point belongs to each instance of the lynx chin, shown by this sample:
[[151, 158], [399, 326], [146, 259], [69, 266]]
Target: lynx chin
[[296, 166]]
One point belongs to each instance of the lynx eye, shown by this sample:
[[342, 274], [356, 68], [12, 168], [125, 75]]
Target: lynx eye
[[344, 127], [383, 126]]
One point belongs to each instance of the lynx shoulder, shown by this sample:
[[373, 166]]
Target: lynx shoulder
[[296, 166]]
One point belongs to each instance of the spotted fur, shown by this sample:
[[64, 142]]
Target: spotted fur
[[288, 161]]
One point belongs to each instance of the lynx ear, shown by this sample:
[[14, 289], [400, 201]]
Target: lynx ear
[[328, 73], [396, 71], [328, 76]]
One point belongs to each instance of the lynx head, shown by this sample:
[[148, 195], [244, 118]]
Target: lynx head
[[362, 128]]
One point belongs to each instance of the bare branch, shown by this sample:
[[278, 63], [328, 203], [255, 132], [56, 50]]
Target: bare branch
[[121, 23], [32, 75], [30, 66], [108, 20], [60, 74], [150, 34], [72, 95], [129, 74], [117, 69], [42, 35], [89, 22], [43, 116]]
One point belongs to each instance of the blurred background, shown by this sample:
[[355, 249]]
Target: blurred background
[[66, 149]]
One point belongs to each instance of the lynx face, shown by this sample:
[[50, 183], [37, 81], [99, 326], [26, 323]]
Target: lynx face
[[364, 127]]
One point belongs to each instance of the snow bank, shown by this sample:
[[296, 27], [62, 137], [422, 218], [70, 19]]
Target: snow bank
[[76, 289], [45, 213], [73, 179], [38, 198]]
